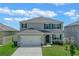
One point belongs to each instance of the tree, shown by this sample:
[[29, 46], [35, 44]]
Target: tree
[[72, 49]]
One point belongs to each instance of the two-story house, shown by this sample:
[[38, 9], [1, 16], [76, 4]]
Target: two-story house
[[40, 30]]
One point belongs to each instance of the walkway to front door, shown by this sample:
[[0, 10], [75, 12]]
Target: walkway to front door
[[28, 51]]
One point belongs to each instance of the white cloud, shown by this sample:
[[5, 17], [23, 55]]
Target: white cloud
[[77, 15], [73, 14], [5, 10], [70, 13], [8, 11], [15, 19], [8, 19], [18, 12], [28, 13], [45, 13]]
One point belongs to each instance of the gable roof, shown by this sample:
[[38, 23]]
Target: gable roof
[[34, 31], [73, 24], [41, 20], [31, 31], [6, 28]]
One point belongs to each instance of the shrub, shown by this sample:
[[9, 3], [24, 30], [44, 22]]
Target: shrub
[[72, 49], [58, 43], [66, 47]]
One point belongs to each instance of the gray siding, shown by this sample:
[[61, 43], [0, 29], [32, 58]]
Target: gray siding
[[40, 26], [72, 33]]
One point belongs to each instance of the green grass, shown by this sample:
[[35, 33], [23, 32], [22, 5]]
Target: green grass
[[77, 52], [7, 49], [57, 50]]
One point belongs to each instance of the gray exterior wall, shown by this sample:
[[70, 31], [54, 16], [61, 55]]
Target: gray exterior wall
[[72, 33], [40, 26], [6, 36]]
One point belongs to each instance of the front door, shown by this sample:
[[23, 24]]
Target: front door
[[47, 39]]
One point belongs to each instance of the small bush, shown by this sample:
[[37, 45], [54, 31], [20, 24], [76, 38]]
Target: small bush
[[58, 43], [72, 50], [66, 47]]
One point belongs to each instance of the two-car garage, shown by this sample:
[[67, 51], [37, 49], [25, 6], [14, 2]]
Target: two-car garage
[[30, 40], [30, 37]]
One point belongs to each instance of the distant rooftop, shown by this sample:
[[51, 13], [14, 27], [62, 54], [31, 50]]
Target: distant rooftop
[[6, 28], [74, 23]]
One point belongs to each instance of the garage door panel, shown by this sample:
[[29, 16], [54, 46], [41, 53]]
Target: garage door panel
[[30, 40]]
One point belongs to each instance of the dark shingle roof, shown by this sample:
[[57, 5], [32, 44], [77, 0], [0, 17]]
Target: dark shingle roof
[[6, 28]]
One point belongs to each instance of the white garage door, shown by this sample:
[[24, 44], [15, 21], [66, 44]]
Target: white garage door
[[30, 40]]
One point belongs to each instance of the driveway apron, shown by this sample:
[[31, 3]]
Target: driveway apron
[[28, 51]]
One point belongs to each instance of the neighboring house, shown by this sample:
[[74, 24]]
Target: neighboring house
[[71, 32], [5, 33], [40, 30]]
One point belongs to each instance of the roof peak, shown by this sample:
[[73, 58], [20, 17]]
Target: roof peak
[[41, 19]]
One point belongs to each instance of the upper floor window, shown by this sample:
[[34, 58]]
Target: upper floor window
[[46, 26], [58, 26], [23, 25], [52, 26]]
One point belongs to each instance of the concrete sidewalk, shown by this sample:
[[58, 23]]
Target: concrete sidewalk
[[28, 51]]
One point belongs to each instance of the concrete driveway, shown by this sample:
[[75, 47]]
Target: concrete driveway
[[28, 51]]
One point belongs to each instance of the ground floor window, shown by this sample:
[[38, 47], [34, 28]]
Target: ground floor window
[[56, 37]]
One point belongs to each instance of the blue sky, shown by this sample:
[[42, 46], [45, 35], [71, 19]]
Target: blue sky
[[12, 13]]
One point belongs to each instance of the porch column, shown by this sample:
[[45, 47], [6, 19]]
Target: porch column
[[51, 38], [42, 39]]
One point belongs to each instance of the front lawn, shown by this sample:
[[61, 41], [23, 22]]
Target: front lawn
[[57, 50], [7, 49]]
